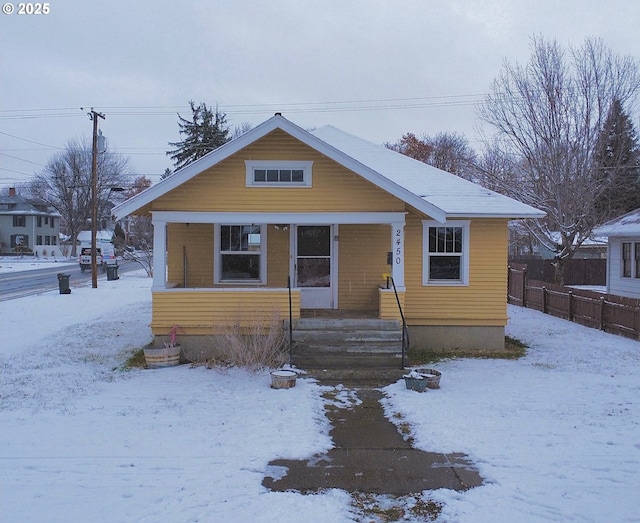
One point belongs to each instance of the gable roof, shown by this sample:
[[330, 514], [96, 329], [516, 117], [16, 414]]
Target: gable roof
[[625, 225], [16, 204], [434, 192]]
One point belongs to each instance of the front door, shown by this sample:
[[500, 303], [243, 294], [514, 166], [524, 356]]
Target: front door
[[313, 272]]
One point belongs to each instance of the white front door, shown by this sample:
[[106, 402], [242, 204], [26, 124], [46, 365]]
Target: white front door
[[313, 267]]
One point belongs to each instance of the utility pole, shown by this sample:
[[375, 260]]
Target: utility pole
[[93, 116]]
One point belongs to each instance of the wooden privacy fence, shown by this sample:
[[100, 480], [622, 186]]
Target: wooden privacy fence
[[614, 314]]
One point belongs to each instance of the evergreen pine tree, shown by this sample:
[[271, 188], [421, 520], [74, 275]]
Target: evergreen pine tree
[[207, 130], [618, 158]]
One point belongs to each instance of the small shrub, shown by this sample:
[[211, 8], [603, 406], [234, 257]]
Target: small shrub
[[254, 344]]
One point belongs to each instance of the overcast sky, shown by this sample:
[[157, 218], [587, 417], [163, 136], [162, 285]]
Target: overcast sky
[[377, 69]]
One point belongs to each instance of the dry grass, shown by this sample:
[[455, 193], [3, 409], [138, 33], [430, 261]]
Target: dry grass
[[513, 349], [256, 344], [136, 360], [372, 508]]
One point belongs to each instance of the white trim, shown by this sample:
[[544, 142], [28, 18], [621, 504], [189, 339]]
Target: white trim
[[322, 218], [333, 259], [397, 253], [159, 252], [464, 264], [217, 277], [304, 166]]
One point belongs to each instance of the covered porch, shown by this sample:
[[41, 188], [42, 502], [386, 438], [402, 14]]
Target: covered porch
[[221, 268]]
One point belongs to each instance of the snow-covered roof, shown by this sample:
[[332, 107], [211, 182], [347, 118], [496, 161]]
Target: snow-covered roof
[[450, 193], [626, 225], [436, 193], [16, 204]]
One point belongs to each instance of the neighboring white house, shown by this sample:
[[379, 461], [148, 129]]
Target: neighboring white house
[[28, 227], [623, 254]]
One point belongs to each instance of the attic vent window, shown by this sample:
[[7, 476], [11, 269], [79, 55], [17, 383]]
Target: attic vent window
[[271, 173]]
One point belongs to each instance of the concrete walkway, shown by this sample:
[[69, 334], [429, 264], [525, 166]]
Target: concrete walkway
[[370, 455]]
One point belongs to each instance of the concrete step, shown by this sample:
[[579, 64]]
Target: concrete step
[[347, 360], [358, 377], [347, 343], [354, 324], [318, 338], [370, 348]]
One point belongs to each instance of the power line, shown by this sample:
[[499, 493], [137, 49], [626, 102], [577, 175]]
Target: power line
[[377, 104], [31, 141], [21, 159]]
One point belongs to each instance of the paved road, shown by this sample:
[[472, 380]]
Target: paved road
[[26, 283]]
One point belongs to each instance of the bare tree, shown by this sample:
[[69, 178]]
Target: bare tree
[[450, 152], [549, 115], [65, 184]]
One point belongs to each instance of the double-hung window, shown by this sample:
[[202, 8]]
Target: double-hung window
[[274, 173], [445, 253], [240, 251], [630, 259], [626, 259]]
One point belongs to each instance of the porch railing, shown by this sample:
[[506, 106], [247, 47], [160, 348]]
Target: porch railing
[[405, 330]]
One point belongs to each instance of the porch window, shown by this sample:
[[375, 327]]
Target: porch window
[[240, 250], [445, 253], [626, 260], [269, 173]]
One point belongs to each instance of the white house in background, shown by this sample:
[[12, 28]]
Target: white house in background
[[623, 254], [28, 227]]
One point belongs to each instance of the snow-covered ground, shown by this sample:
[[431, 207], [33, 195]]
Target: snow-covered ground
[[556, 435], [27, 263]]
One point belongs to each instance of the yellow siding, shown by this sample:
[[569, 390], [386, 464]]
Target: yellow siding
[[277, 256], [362, 261], [223, 187], [198, 312], [482, 302], [193, 244], [388, 304]]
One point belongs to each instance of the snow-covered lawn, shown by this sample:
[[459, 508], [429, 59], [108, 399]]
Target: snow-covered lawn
[[556, 435], [27, 263]]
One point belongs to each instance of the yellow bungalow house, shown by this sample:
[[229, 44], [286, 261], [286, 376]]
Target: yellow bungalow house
[[292, 222]]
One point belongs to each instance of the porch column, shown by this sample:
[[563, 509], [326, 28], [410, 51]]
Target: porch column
[[397, 254], [159, 253]]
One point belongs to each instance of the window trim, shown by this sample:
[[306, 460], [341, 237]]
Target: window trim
[[217, 277], [464, 255], [253, 165]]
